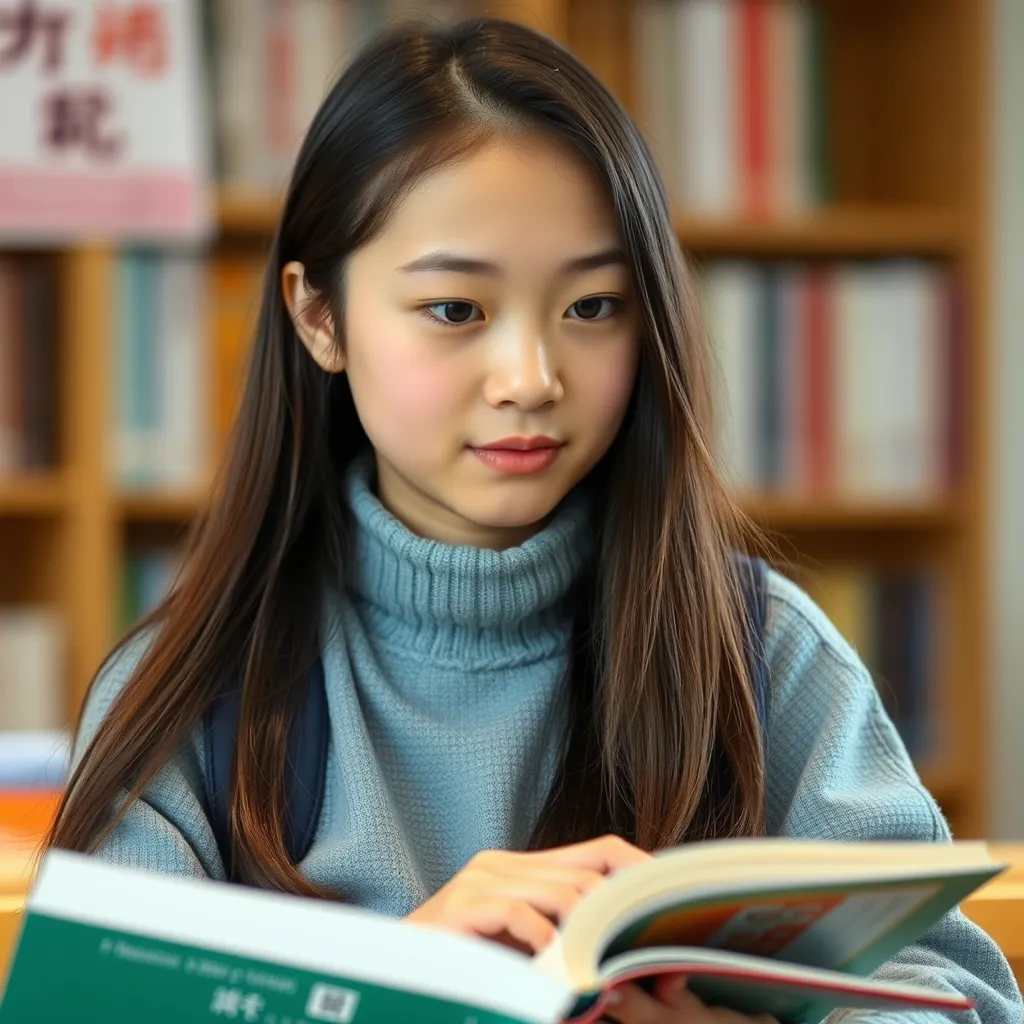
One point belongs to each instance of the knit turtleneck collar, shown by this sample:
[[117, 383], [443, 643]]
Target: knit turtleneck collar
[[459, 600]]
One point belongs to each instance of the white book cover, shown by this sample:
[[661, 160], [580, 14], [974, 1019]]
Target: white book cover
[[856, 385], [731, 303], [657, 62], [184, 371], [324, 38], [709, 36], [241, 70], [8, 427], [31, 669], [912, 445]]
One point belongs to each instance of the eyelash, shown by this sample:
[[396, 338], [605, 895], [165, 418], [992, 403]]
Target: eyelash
[[425, 310]]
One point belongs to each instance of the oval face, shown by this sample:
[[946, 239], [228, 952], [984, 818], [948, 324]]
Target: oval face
[[491, 341]]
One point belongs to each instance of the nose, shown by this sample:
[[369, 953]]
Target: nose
[[524, 372]]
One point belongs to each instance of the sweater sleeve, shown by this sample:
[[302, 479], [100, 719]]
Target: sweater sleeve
[[167, 830], [837, 769]]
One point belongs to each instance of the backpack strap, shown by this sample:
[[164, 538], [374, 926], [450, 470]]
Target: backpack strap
[[306, 768], [753, 585]]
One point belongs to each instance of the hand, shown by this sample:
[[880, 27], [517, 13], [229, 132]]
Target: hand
[[518, 899], [672, 1003]]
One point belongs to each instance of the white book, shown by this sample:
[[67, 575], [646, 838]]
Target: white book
[[9, 440], [794, 470], [323, 37], [657, 60], [183, 376], [31, 669], [709, 105], [731, 303], [912, 446], [240, 64], [856, 369]]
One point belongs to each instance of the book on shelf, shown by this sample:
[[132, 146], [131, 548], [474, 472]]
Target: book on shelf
[[28, 369], [146, 581], [892, 617], [788, 928], [275, 61], [32, 668], [837, 380], [730, 97], [161, 372]]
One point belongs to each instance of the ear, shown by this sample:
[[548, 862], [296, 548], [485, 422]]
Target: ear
[[313, 322]]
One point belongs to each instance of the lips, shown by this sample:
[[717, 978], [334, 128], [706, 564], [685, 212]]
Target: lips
[[520, 444], [519, 456]]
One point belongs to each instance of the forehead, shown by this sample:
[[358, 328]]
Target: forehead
[[528, 193]]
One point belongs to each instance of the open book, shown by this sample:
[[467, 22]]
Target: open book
[[786, 928]]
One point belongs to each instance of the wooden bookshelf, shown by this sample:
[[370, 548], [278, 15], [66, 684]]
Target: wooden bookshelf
[[41, 494], [849, 230], [160, 508], [905, 77]]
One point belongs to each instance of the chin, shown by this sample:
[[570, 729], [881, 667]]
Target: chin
[[512, 512]]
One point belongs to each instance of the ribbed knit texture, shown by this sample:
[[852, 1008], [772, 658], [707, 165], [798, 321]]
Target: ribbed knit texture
[[444, 668]]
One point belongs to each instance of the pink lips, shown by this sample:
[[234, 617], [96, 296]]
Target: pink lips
[[519, 456]]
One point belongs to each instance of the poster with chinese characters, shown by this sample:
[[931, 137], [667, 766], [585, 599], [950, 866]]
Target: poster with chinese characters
[[104, 130]]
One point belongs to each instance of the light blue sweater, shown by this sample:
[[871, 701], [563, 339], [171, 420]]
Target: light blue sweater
[[444, 668]]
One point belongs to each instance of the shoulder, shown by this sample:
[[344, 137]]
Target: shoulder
[[108, 684]]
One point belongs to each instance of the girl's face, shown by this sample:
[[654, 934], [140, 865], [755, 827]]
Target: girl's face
[[491, 342]]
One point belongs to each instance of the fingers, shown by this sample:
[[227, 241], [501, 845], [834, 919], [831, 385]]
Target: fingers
[[553, 899], [604, 855], [632, 1005], [491, 917]]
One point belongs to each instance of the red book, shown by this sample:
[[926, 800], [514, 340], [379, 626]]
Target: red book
[[819, 401], [755, 107]]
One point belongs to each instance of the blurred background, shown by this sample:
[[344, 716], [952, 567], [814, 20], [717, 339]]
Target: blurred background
[[847, 178]]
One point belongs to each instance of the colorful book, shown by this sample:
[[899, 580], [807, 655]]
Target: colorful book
[[788, 928]]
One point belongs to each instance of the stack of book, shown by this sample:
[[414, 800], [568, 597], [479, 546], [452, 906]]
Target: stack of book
[[731, 99], [27, 364], [838, 380]]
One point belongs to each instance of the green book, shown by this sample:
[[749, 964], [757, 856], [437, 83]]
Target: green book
[[787, 928]]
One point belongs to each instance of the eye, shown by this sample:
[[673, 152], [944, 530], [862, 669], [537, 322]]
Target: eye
[[596, 307], [452, 314]]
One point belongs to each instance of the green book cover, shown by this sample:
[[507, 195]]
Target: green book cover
[[102, 945]]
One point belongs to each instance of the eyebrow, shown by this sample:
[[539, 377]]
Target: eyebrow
[[453, 263]]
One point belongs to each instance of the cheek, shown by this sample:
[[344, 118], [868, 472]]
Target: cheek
[[402, 393], [605, 386]]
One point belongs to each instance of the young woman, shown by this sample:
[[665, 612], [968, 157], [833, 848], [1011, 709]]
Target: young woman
[[471, 479]]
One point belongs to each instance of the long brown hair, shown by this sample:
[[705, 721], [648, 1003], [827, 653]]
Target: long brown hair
[[664, 739]]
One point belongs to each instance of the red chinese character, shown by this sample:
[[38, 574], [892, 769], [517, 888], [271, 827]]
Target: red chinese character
[[23, 24], [135, 32]]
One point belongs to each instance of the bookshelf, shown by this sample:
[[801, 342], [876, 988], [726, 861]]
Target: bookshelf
[[905, 81]]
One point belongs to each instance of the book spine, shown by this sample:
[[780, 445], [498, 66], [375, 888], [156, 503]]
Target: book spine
[[8, 381], [820, 401], [754, 94], [769, 399], [709, 95]]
